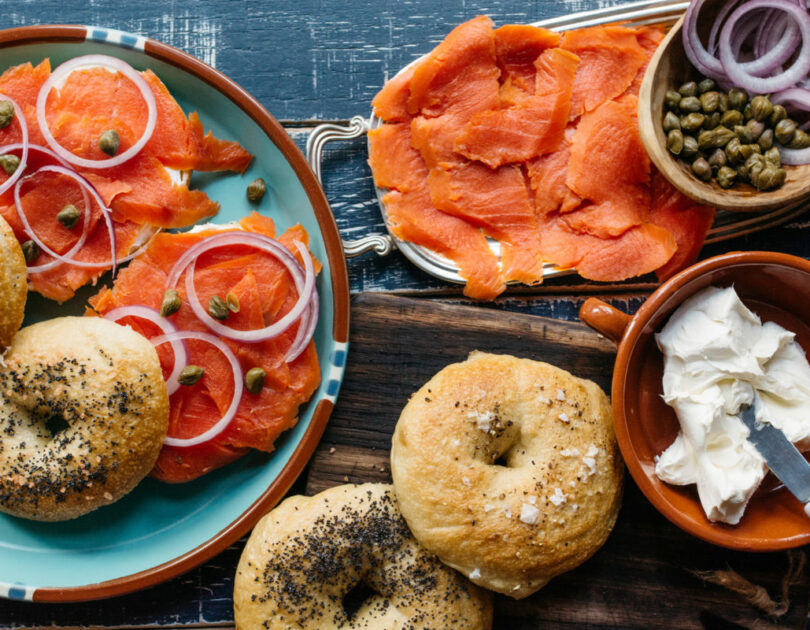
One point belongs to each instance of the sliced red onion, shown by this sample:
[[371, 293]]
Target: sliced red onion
[[796, 97], [306, 329], [260, 334], [304, 282], [24, 144], [107, 62], [238, 385], [34, 148], [718, 22], [705, 63], [794, 157], [150, 314], [741, 75], [105, 212]]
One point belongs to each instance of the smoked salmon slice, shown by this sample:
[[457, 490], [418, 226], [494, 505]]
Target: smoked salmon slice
[[649, 38], [391, 103], [610, 59], [264, 291], [394, 162], [141, 192], [532, 127], [517, 47]]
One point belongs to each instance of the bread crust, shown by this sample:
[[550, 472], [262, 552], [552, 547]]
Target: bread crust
[[13, 284], [83, 414], [309, 552], [509, 528]]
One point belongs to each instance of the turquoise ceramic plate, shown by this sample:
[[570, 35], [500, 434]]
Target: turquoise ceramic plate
[[159, 530]]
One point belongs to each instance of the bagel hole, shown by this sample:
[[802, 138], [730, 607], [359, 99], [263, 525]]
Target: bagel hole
[[359, 594], [55, 424], [501, 461]]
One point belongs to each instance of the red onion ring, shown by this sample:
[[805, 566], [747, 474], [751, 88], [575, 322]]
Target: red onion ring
[[105, 211], [111, 63], [304, 282], [740, 75], [238, 385], [24, 157], [36, 148], [797, 97], [306, 329], [268, 332], [705, 63], [150, 314]]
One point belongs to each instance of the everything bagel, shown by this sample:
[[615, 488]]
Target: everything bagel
[[13, 284], [83, 415], [507, 469], [306, 557]]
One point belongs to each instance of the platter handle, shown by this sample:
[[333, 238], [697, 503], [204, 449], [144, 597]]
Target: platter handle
[[381, 244]]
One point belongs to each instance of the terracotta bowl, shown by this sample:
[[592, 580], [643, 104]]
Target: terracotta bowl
[[777, 288]]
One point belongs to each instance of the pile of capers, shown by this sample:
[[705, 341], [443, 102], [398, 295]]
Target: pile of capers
[[729, 137]]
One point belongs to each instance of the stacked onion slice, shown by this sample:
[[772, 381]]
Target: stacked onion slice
[[762, 46], [68, 162], [304, 312]]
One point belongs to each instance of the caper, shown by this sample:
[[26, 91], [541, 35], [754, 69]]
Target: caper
[[744, 133], [6, 114], [801, 140], [254, 380], [715, 138], [672, 99], [766, 139], [256, 190], [747, 112], [712, 120], [689, 104], [726, 177], [171, 303], [753, 166], [31, 251], [761, 107], [734, 151], [190, 375], [692, 122], [232, 302], [675, 141], [778, 113], [701, 169], [10, 163], [717, 159], [217, 308], [688, 89], [705, 85], [769, 177], [737, 98], [671, 121], [756, 128], [69, 216], [731, 118], [690, 147], [772, 156], [109, 142], [784, 130], [723, 107], [710, 101]]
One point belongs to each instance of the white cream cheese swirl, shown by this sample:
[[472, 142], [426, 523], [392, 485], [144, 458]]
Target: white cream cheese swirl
[[716, 354]]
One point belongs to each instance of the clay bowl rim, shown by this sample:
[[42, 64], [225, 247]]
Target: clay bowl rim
[[745, 199], [718, 534]]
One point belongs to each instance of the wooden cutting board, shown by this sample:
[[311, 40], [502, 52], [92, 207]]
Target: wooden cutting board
[[643, 576]]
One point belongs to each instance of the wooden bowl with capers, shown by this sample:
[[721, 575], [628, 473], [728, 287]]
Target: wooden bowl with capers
[[719, 147]]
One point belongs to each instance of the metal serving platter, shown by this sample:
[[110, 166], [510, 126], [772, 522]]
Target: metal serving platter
[[727, 224]]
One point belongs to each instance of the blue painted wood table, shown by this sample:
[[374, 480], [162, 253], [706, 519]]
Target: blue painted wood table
[[315, 61]]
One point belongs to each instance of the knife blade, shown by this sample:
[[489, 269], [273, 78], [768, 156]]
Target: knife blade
[[781, 456]]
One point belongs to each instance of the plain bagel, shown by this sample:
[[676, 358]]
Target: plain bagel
[[83, 415], [308, 557], [13, 284], [507, 469]]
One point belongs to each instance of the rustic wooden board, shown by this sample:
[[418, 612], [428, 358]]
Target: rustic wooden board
[[641, 578]]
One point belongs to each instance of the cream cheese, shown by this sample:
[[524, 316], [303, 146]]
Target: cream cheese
[[717, 354]]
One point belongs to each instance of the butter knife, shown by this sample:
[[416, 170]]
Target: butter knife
[[781, 456]]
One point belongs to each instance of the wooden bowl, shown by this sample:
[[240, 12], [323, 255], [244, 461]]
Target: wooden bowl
[[775, 287], [668, 69]]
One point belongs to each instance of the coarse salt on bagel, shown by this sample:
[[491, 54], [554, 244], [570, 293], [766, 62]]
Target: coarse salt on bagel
[[13, 284], [508, 470], [308, 557], [83, 414]]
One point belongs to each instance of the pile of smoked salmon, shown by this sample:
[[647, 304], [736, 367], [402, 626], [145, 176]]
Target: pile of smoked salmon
[[142, 193], [529, 137]]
